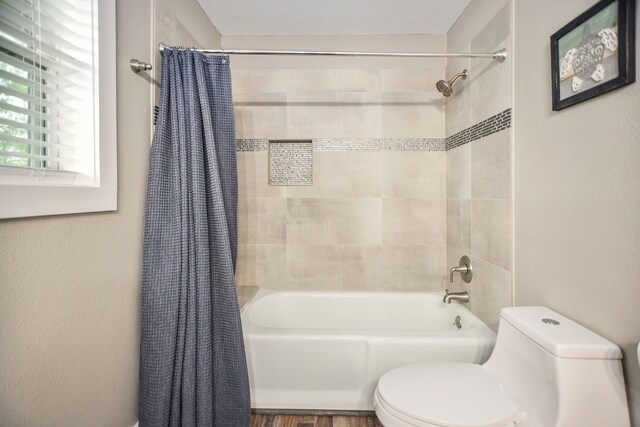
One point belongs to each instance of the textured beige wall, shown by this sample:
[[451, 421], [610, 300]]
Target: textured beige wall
[[69, 285], [479, 172], [577, 203], [185, 25], [373, 220]]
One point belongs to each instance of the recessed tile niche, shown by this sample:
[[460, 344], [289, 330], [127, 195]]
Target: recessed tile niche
[[290, 162]]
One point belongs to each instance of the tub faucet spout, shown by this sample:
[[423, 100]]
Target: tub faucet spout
[[455, 296]]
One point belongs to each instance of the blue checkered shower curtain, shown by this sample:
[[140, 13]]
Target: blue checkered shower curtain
[[192, 363]]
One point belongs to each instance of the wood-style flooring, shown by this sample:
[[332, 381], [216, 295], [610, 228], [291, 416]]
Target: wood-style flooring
[[313, 421]]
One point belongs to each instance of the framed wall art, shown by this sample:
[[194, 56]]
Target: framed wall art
[[594, 53]]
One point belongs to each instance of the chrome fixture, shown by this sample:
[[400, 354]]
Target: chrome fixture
[[498, 56], [137, 66], [455, 296], [457, 323], [464, 269], [446, 87]]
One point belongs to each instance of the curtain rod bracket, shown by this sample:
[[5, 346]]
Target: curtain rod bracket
[[137, 66], [500, 55]]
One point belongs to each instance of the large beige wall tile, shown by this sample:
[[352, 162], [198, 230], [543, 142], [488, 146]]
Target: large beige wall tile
[[477, 303], [268, 99], [491, 166], [420, 174], [333, 115], [459, 172], [302, 98], [343, 174], [410, 80], [260, 115], [260, 122], [494, 285], [262, 265], [334, 267], [245, 294], [414, 222], [334, 221], [491, 88], [480, 172], [458, 105], [259, 80], [412, 115], [491, 231], [253, 179], [413, 267], [336, 80], [262, 220], [459, 223]]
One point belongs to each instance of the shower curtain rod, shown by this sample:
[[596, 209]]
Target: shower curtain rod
[[498, 56]]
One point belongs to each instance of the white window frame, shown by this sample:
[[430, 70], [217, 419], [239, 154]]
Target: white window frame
[[49, 199]]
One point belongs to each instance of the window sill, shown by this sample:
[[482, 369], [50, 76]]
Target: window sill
[[17, 201]]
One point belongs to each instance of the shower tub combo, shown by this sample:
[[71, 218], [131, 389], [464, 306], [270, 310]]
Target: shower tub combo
[[326, 350]]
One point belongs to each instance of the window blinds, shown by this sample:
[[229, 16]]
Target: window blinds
[[47, 102]]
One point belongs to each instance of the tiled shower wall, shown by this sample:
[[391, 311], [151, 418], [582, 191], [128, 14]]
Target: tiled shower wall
[[375, 216], [479, 168]]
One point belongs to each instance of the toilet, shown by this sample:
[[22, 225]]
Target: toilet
[[545, 371]]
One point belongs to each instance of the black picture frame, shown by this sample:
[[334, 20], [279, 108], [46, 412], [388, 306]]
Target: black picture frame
[[591, 62]]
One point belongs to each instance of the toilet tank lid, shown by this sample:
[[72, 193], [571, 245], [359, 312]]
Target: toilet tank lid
[[564, 339]]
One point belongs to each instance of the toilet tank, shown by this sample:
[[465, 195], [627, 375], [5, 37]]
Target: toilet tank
[[560, 373]]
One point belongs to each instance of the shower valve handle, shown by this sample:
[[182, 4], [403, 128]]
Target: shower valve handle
[[465, 270]]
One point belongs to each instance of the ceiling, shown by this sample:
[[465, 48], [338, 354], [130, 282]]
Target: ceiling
[[332, 17]]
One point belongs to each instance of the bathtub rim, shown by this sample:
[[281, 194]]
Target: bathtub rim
[[480, 330]]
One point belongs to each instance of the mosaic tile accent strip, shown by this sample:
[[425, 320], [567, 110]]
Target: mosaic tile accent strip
[[356, 144], [252, 144], [379, 144], [290, 163], [493, 124]]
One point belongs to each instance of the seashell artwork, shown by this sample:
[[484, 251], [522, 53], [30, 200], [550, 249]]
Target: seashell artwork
[[566, 67], [598, 74], [576, 83], [594, 53], [609, 39]]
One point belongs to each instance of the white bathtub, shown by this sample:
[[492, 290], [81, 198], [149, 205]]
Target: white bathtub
[[326, 350]]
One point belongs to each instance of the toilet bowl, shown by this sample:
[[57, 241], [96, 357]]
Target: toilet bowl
[[545, 371]]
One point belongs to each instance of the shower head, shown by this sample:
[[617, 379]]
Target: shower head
[[446, 87]]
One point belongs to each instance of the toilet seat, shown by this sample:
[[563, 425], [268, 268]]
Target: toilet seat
[[444, 395]]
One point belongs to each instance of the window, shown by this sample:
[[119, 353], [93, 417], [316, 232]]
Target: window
[[57, 107]]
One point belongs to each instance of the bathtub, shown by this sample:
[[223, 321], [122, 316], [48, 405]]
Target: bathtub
[[326, 350]]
